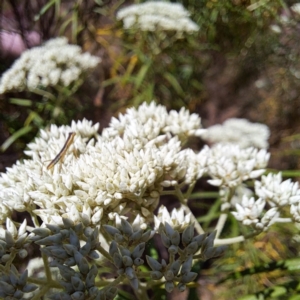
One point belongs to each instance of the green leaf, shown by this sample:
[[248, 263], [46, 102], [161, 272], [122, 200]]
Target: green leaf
[[35, 118], [204, 195], [14, 137], [21, 102], [293, 264], [175, 84], [110, 81], [44, 9], [141, 75], [291, 173]]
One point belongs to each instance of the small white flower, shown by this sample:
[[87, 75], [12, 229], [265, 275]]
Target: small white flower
[[229, 165], [178, 220], [249, 210], [240, 132], [296, 8], [268, 219], [277, 192], [275, 28], [239, 192]]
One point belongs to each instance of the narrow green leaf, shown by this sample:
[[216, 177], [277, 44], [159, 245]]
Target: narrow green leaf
[[141, 75], [33, 117], [204, 195], [291, 173], [21, 102], [175, 84], [110, 81], [64, 25], [74, 26], [44, 9], [14, 137]]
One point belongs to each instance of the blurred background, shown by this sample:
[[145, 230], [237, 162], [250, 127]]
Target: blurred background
[[243, 62]]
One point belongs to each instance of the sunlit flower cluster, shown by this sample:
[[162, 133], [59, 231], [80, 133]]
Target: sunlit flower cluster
[[157, 15], [56, 63], [178, 219], [240, 132], [138, 157], [251, 213], [276, 192], [100, 177], [229, 165]]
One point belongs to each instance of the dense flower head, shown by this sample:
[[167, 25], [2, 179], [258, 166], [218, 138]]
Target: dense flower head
[[272, 192], [54, 63], [177, 219], [157, 15], [296, 8], [99, 177], [240, 132], [277, 192], [252, 212], [229, 165], [249, 210]]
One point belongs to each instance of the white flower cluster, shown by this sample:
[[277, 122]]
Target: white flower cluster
[[157, 15], [296, 8], [126, 169], [177, 218], [249, 212], [240, 132], [54, 63], [102, 176], [229, 165], [277, 194]]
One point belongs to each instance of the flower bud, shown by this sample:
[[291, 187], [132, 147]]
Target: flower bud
[[187, 235], [138, 250], [199, 239], [156, 275], [130, 273], [175, 238], [188, 277], [126, 228], [127, 261], [165, 240], [118, 261], [169, 286], [173, 249], [169, 275], [175, 266], [192, 248], [187, 265], [138, 262], [181, 287], [154, 264]]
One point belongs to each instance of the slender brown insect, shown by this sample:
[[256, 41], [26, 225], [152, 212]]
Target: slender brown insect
[[63, 151]]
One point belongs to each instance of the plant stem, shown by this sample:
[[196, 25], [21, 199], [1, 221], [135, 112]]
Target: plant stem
[[141, 292], [220, 225], [187, 210]]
